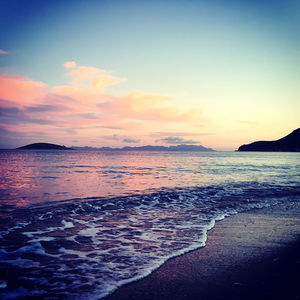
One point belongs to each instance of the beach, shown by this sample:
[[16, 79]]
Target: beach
[[132, 225], [250, 255]]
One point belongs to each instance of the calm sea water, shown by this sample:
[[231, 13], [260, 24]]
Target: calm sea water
[[79, 224]]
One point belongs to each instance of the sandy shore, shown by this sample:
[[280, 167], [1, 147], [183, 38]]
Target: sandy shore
[[252, 255]]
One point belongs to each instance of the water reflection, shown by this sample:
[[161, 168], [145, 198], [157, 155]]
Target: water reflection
[[29, 177]]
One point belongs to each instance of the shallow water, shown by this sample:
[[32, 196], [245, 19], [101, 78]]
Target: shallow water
[[79, 224]]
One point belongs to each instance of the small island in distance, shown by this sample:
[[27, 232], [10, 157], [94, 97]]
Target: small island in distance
[[43, 146], [289, 143]]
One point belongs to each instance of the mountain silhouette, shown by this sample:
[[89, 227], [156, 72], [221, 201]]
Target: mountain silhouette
[[44, 146], [289, 143], [150, 148]]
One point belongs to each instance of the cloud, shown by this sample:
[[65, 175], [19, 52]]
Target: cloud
[[105, 80], [46, 108], [87, 83], [88, 115], [142, 106], [161, 134], [139, 102], [85, 72], [8, 111], [175, 140], [14, 115], [20, 89], [2, 52], [69, 64], [81, 107], [114, 137], [109, 127], [80, 94], [70, 131], [130, 140]]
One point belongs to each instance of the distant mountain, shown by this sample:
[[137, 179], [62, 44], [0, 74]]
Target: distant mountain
[[150, 148], [44, 146], [84, 148], [289, 143]]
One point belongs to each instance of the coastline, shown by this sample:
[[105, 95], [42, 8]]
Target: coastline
[[254, 254]]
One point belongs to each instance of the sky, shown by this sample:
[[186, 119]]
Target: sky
[[219, 73]]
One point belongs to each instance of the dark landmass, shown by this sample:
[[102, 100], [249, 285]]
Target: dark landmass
[[44, 146], [289, 143], [150, 148]]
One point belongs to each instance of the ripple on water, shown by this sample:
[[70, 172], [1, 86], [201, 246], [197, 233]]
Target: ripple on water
[[93, 247]]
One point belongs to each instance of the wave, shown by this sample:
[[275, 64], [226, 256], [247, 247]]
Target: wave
[[86, 248]]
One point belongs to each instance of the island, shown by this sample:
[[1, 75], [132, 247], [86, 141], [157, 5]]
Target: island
[[43, 146], [289, 143], [150, 148]]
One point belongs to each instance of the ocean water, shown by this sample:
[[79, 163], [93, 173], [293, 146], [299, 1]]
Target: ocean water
[[80, 224]]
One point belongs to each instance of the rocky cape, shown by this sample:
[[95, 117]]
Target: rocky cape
[[289, 143], [43, 146]]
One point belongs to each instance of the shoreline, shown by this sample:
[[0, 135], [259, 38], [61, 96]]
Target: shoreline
[[254, 254]]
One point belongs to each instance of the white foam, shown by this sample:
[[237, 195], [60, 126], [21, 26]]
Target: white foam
[[40, 233], [67, 224], [92, 231], [112, 247], [74, 252]]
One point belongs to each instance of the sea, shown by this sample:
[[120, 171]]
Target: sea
[[79, 224]]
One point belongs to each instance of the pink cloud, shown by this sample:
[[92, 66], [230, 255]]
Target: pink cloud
[[86, 95], [20, 89], [87, 82], [85, 72], [2, 52], [134, 104], [81, 108], [69, 64]]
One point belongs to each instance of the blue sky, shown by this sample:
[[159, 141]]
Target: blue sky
[[236, 62]]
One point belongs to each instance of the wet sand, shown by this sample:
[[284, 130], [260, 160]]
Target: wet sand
[[251, 255]]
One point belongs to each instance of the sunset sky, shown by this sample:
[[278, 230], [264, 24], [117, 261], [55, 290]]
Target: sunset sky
[[219, 73]]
